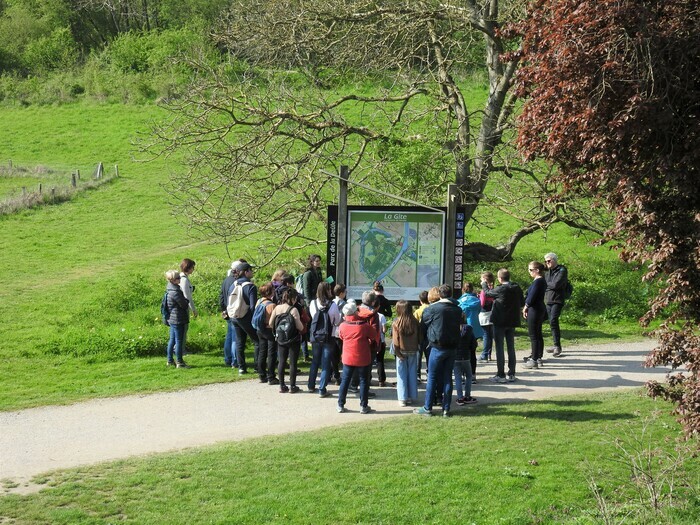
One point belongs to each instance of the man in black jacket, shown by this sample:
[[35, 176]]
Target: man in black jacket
[[556, 278], [440, 324], [508, 302]]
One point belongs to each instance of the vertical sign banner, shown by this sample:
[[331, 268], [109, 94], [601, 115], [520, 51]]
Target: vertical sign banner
[[332, 249], [401, 247], [459, 249]]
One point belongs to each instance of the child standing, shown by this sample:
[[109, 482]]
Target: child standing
[[406, 338]]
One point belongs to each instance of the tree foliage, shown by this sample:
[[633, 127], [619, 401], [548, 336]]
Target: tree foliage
[[376, 86], [613, 100]]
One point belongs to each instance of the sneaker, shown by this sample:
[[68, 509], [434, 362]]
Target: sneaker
[[510, 379], [446, 413], [498, 379], [423, 412], [527, 358], [469, 400], [461, 401], [530, 363], [284, 389], [557, 351], [473, 380], [242, 371], [170, 363], [273, 381], [325, 394], [182, 364], [312, 390], [482, 358], [353, 389], [263, 379], [294, 389], [551, 350], [366, 410], [337, 382], [403, 403], [539, 362], [341, 410]]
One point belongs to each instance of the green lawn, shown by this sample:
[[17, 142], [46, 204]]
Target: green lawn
[[509, 463]]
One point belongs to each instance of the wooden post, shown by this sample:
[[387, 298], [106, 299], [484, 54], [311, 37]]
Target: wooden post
[[53, 194], [77, 174], [116, 170], [24, 191], [100, 170], [72, 180], [342, 226], [452, 203], [40, 188]]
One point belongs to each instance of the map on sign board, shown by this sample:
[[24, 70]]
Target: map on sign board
[[403, 250]]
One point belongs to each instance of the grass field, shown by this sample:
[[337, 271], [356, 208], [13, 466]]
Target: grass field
[[511, 463]]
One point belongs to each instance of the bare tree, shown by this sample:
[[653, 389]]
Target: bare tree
[[258, 140]]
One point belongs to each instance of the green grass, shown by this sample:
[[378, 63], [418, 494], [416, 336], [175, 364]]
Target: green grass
[[84, 278], [508, 463]]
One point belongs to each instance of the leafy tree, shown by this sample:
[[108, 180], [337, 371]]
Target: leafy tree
[[263, 133], [613, 100]]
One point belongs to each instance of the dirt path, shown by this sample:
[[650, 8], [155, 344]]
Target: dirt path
[[38, 440]]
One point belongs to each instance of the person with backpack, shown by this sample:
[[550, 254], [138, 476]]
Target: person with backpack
[[176, 308], [359, 338], [242, 298], [230, 358], [285, 322], [557, 279], [310, 280], [267, 356], [471, 306], [325, 317], [341, 293]]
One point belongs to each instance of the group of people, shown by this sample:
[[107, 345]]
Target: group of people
[[308, 316]]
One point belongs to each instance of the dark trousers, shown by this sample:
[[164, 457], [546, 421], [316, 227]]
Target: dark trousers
[[267, 355], [336, 363], [244, 329], [535, 318], [423, 350], [554, 311], [381, 371], [285, 352]]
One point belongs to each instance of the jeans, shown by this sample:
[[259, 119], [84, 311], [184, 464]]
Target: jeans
[[244, 329], [460, 368], [488, 342], [230, 357], [322, 355], [267, 356], [535, 318], [440, 365], [499, 334], [554, 311], [290, 352], [348, 372], [407, 377], [177, 338]]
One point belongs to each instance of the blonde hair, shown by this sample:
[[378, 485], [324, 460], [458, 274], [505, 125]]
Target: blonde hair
[[434, 294], [170, 275]]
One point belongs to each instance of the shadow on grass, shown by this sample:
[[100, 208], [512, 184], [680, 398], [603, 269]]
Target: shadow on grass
[[554, 410]]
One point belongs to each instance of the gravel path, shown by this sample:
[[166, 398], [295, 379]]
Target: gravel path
[[39, 440]]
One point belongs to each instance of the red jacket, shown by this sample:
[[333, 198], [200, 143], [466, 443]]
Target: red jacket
[[358, 340]]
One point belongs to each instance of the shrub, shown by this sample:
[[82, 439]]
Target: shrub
[[56, 51]]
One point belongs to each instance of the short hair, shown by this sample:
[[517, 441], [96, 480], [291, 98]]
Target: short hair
[[350, 308], [488, 277], [552, 256], [369, 297], [538, 265], [423, 296], [433, 294], [467, 287], [267, 290], [504, 274], [171, 275], [339, 288], [187, 265], [445, 291], [277, 276]]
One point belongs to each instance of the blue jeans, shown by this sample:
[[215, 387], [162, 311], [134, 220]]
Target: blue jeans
[[499, 334], [488, 342], [322, 355], [440, 365], [407, 377], [244, 329], [230, 358], [348, 371], [553, 312], [463, 367], [176, 342]]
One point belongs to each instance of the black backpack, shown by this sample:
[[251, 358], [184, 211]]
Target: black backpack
[[165, 310], [285, 328], [321, 327]]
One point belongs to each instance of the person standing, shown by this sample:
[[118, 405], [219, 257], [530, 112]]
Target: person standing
[[463, 366], [423, 350], [267, 356], [534, 312], [471, 306], [325, 319], [440, 325], [383, 304], [406, 338], [508, 300], [487, 283], [358, 340], [186, 269], [243, 325], [310, 279], [557, 279], [230, 358], [287, 349], [178, 318]]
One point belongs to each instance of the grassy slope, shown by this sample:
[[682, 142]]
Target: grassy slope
[[63, 262]]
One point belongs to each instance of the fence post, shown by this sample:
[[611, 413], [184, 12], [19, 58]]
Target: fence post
[[24, 191], [77, 172], [53, 194], [72, 180], [116, 170], [40, 188], [100, 170]]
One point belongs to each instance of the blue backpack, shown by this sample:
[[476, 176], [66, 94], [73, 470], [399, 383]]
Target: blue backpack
[[164, 310], [258, 321]]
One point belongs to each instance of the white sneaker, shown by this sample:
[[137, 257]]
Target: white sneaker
[[530, 363], [510, 379], [497, 379], [539, 362]]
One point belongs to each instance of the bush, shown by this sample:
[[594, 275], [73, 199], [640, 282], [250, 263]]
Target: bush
[[56, 51]]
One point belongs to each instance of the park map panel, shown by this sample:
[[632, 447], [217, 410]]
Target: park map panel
[[403, 250]]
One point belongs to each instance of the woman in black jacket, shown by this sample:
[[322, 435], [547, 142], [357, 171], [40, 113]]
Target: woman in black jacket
[[178, 319]]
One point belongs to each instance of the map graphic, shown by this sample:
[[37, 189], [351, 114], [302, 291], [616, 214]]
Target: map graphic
[[402, 250]]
